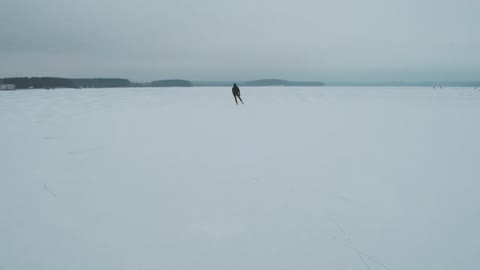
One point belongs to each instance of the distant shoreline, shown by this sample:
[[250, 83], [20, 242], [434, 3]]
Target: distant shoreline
[[56, 82]]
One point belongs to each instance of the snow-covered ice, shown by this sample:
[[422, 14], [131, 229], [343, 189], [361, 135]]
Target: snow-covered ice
[[297, 178]]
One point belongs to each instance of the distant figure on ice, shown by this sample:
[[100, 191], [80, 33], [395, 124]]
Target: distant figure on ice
[[236, 93]]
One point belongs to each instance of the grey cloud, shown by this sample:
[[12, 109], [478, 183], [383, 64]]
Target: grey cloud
[[215, 39]]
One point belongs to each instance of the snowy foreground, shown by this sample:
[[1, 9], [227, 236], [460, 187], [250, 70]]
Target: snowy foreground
[[297, 178]]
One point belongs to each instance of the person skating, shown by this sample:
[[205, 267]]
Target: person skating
[[236, 93]]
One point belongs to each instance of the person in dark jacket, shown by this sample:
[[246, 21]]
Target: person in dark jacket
[[236, 93]]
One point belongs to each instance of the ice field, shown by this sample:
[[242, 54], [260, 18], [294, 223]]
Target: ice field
[[341, 178]]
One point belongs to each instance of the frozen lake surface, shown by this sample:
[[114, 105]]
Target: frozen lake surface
[[297, 178]]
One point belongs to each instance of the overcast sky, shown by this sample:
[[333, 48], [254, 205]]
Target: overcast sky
[[328, 40]]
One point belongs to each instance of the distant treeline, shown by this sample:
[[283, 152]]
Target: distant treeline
[[101, 83], [170, 83], [53, 82], [40, 83]]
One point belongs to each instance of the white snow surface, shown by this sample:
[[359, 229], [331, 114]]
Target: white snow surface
[[183, 179]]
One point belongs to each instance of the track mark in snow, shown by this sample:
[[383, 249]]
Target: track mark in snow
[[363, 260], [363, 254], [45, 187], [345, 235], [343, 198]]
